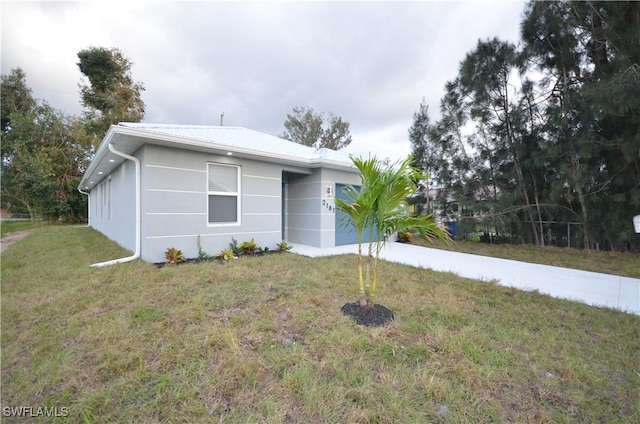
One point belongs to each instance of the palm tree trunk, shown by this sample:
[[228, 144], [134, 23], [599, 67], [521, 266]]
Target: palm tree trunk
[[374, 282], [360, 279]]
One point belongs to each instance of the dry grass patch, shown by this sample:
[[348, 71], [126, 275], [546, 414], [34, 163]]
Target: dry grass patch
[[8, 226], [616, 263], [262, 339]]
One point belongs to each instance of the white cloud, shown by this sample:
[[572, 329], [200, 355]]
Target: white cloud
[[370, 63]]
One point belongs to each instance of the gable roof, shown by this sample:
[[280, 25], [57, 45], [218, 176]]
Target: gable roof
[[237, 141]]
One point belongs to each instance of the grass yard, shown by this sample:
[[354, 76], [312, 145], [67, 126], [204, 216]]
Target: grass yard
[[616, 263], [263, 340], [13, 225]]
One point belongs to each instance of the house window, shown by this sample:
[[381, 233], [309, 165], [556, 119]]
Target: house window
[[223, 192]]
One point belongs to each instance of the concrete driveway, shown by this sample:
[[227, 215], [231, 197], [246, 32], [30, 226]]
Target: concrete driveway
[[587, 287]]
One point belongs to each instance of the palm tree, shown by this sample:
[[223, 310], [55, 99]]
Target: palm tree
[[379, 208], [357, 208]]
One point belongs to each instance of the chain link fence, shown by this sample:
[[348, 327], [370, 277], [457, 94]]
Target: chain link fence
[[500, 230], [561, 234], [19, 216]]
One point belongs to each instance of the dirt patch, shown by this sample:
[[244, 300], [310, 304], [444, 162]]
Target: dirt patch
[[11, 238]]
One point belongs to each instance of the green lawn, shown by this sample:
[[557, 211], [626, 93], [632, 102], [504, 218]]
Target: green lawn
[[617, 263], [13, 225], [262, 339]]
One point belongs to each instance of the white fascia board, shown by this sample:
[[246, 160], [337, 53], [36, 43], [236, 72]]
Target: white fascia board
[[208, 146], [115, 136], [333, 164]]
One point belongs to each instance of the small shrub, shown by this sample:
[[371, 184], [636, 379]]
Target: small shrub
[[283, 246], [494, 238], [249, 247], [225, 255], [234, 247], [174, 256], [405, 237], [202, 255], [474, 238]]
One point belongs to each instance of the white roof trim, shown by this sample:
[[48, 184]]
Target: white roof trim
[[240, 142]]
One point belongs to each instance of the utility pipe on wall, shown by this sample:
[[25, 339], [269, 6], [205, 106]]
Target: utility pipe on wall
[[136, 254]]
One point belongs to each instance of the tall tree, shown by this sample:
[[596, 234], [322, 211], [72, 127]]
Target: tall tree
[[483, 146], [306, 127], [110, 95], [16, 97], [554, 44], [424, 155], [17, 104], [550, 131], [589, 54], [486, 77], [44, 154], [613, 91]]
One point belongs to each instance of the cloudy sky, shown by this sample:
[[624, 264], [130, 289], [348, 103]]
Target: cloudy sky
[[369, 62]]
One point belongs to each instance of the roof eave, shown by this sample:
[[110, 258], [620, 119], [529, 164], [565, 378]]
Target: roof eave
[[102, 151], [116, 133]]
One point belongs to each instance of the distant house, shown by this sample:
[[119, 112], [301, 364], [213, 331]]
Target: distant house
[[152, 187]]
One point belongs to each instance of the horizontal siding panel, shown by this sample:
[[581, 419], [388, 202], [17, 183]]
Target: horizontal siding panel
[[259, 223], [160, 225], [264, 187], [234, 234], [176, 168], [328, 223], [178, 158], [252, 204], [260, 170], [175, 179], [169, 225], [263, 177], [303, 221], [304, 205], [311, 190], [175, 202], [306, 237]]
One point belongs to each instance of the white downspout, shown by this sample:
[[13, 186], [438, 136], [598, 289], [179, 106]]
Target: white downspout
[[136, 254], [88, 206]]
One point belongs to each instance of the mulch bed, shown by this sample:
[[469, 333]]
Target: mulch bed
[[187, 261], [376, 316], [212, 259]]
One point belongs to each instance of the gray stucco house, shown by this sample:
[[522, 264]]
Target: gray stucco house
[[152, 187]]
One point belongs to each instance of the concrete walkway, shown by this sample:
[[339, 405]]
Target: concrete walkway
[[591, 288]]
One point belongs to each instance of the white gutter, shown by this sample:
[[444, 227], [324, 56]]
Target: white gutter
[[88, 206], [136, 254]]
